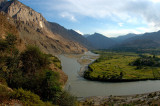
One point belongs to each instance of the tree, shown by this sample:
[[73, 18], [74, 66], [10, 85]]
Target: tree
[[51, 86], [121, 75], [33, 60], [11, 40]]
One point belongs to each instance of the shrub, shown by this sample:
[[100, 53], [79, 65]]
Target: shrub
[[5, 93], [11, 40], [27, 98], [3, 45], [3, 81], [66, 99], [51, 86], [33, 59]]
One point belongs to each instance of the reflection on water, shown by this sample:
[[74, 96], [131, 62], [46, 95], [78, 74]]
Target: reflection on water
[[81, 87]]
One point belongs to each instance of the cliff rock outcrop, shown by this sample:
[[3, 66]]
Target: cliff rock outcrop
[[35, 29]]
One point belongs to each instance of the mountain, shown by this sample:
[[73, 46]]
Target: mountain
[[8, 27], [145, 41], [34, 29], [86, 35], [100, 41], [69, 34], [121, 38]]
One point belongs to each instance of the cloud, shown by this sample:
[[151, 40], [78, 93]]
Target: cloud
[[115, 9], [123, 12], [68, 16], [78, 31], [156, 1], [117, 32], [120, 24]]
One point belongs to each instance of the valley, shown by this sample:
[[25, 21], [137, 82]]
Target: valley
[[46, 60], [123, 66], [99, 93]]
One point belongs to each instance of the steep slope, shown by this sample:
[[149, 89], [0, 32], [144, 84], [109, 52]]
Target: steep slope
[[100, 41], [7, 26], [34, 29], [69, 34]]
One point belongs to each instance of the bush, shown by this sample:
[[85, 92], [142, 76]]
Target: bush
[[5, 93], [33, 59], [66, 99], [146, 61], [3, 81], [27, 98], [11, 40], [3, 45], [51, 86]]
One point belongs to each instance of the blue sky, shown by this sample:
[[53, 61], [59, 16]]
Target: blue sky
[[108, 17]]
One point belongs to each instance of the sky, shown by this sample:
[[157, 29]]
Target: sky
[[108, 17]]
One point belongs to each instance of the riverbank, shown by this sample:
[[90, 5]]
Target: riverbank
[[84, 60], [118, 67], [94, 92], [138, 100]]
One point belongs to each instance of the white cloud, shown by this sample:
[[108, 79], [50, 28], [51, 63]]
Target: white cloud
[[78, 31], [68, 16], [117, 32], [132, 12], [155, 1], [148, 10], [120, 24]]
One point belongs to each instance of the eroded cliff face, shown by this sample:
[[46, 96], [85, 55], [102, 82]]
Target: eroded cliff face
[[8, 26], [34, 29]]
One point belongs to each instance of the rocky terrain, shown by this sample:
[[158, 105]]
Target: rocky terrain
[[34, 29], [8, 26], [138, 100]]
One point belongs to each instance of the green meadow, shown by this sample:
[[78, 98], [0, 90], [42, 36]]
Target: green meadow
[[118, 66]]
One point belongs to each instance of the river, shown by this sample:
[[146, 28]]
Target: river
[[81, 87]]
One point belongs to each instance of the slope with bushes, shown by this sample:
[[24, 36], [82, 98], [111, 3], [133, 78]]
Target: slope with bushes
[[29, 74]]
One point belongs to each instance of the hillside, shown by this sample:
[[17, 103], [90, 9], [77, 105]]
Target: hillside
[[69, 34], [122, 38], [35, 29], [145, 41], [100, 41], [26, 67]]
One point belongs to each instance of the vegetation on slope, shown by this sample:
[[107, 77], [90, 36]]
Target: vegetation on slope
[[29, 73], [118, 66]]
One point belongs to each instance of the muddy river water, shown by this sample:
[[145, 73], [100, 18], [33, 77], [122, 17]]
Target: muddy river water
[[81, 87]]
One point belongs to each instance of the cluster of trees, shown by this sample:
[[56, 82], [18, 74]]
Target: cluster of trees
[[144, 60], [30, 71]]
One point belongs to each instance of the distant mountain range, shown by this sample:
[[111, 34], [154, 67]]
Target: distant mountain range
[[129, 41], [52, 38], [99, 41], [121, 38], [144, 41]]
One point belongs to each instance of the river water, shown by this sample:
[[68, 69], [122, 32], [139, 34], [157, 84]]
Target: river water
[[81, 87]]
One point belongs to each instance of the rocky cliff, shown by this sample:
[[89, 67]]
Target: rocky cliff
[[34, 29]]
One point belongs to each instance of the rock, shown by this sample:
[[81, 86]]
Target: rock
[[36, 30]]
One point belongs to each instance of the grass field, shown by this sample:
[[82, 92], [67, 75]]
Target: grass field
[[115, 66]]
